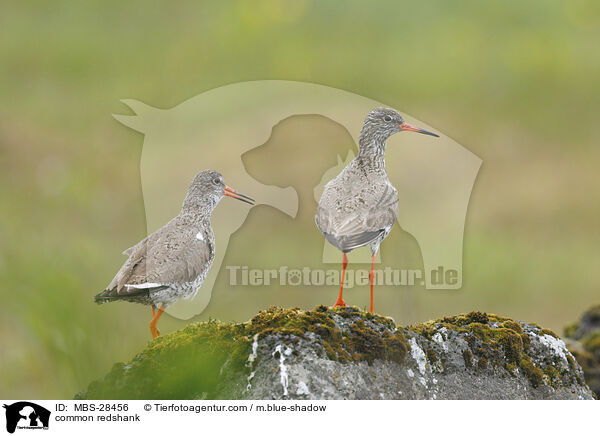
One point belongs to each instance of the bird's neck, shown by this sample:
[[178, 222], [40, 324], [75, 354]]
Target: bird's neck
[[198, 207], [371, 152], [197, 217]]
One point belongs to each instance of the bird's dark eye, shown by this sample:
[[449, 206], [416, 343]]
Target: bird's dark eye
[[387, 118], [217, 181]]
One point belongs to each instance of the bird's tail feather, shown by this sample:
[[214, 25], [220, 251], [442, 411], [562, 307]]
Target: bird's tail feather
[[109, 295], [104, 297]]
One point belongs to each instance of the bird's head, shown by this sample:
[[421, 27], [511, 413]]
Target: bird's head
[[383, 122], [208, 188]]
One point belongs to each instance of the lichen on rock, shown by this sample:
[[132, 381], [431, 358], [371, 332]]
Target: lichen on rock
[[344, 353]]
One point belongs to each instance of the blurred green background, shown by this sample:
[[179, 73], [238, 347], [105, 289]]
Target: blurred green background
[[518, 83]]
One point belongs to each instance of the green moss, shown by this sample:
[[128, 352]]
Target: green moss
[[427, 330], [573, 365], [291, 322], [431, 355], [572, 362], [468, 358], [483, 363], [479, 317], [548, 332], [458, 323], [510, 367], [474, 322], [466, 318], [366, 344], [513, 325], [481, 331], [553, 375], [395, 347], [526, 340], [532, 372], [511, 343], [339, 355], [510, 340]]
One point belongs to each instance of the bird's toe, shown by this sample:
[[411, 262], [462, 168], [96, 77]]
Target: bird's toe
[[340, 303]]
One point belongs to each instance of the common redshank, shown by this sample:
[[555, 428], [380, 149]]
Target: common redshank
[[360, 205], [172, 262]]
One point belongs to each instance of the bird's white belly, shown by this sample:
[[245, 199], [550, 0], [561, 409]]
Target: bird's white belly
[[177, 291]]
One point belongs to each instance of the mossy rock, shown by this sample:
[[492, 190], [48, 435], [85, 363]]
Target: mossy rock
[[187, 363], [583, 340], [345, 353], [496, 342]]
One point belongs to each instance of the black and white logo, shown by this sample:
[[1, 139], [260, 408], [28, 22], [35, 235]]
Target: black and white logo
[[26, 415]]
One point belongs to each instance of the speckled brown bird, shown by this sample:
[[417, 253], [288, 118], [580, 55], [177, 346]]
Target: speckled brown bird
[[360, 205], [173, 262]]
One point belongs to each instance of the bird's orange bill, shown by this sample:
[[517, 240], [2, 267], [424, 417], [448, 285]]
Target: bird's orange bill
[[230, 192], [410, 128]]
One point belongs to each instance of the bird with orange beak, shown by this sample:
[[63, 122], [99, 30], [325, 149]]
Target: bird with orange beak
[[360, 205], [173, 262]]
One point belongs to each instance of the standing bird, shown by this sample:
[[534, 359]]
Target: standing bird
[[360, 205], [172, 262]]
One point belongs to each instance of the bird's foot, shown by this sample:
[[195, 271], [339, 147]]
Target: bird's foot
[[340, 303], [155, 332]]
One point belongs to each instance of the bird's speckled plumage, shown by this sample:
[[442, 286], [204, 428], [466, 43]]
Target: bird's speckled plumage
[[360, 205], [172, 262]]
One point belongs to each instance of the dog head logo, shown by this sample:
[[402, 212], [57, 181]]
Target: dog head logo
[[26, 415]]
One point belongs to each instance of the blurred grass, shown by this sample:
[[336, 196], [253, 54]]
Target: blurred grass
[[516, 83]]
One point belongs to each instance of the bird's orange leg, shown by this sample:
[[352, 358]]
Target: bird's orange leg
[[153, 310], [155, 316], [372, 278], [340, 300]]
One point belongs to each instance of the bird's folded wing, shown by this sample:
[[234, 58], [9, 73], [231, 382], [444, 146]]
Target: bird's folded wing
[[181, 264], [157, 261], [365, 218]]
